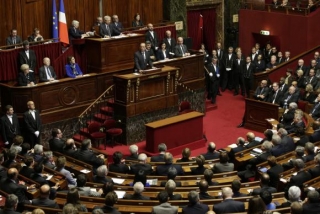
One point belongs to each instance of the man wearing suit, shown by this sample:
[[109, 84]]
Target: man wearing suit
[[13, 38], [56, 143], [181, 50], [10, 205], [223, 165], [262, 91], [164, 207], [266, 148], [162, 170], [162, 148], [171, 175], [275, 96], [83, 190], [239, 66], [228, 64], [289, 97], [43, 200], [239, 148], [312, 206], [228, 205], [27, 56], [101, 175], [194, 206], [315, 112], [141, 165], [203, 190], [118, 165], [278, 148], [301, 66], [280, 58], [315, 171], [315, 66], [110, 199], [248, 71], [254, 56], [150, 51], [211, 152], [274, 171], [46, 72], [213, 76], [286, 141], [138, 188], [133, 153], [251, 140], [301, 176], [116, 24], [74, 32], [272, 64], [142, 60], [282, 86], [235, 186], [264, 185], [169, 41], [152, 37], [107, 29], [311, 79], [33, 124], [9, 126]]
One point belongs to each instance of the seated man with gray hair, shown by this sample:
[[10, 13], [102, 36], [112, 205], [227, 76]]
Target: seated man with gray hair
[[38, 153], [299, 155], [309, 147], [315, 172], [211, 152], [141, 165], [133, 152], [294, 194], [101, 176], [170, 187], [162, 148], [312, 205], [172, 174], [286, 141], [168, 160], [266, 152], [10, 205], [228, 205], [277, 149], [194, 204], [138, 188]]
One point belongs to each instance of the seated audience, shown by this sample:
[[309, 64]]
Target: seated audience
[[311, 79], [274, 171], [315, 171], [138, 188], [72, 68], [194, 205], [203, 190], [69, 208], [10, 205], [56, 143], [301, 176], [118, 165], [133, 153], [13, 38], [301, 80], [25, 77], [70, 148], [251, 142], [86, 191], [73, 197], [101, 176], [141, 165], [267, 199], [276, 95], [315, 112], [162, 148], [312, 205], [43, 200], [299, 153], [303, 137], [235, 186], [228, 205], [240, 147], [186, 152], [223, 165], [266, 152], [256, 205], [164, 206], [289, 97], [48, 160], [264, 185], [288, 115], [110, 200], [27, 169], [211, 152], [46, 72], [294, 194], [262, 91], [309, 147], [208, 175], [38, 176], [11, 158], [137, 22], [38, 153], [35, 36], [272, 64], [316, 134], [172, 174], [61, 162], [200, 169], [296, 208], [170, 187], [106, 188], [168, 162], [267, 135], [286, 141]]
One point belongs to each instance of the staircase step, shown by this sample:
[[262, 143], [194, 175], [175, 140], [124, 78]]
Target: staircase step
[[79, 137], [110, 102], [101, 117], [107, 110], [93, 121], [84, 131]]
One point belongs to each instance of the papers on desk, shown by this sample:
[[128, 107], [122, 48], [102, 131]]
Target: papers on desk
[[93, 190], [136, 74], [86, 75], [249, 190], [259, 139], [283, 180], [49, 177], [270, 119], [294, 174], [118, 180], [85, 171], [316, 149], [233, 145], [152, 182], [120, 194], [257, 150], [296, 139], [311, 188]]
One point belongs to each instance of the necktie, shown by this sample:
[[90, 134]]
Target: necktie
[[261, 91], [108, 30], [217, 69], [274, 97], [48, 72], [182, 49], [314, 109], [144, 56], [310, 79], [169, 41], [14, 40], [164, 54]]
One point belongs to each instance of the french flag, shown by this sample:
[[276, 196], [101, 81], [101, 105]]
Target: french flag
[[63, 29]]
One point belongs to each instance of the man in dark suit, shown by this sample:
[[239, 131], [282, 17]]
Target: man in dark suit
[[311, 79], [266, 152], [282, 86], [312, 206], [289, 97], [142, 60], [251, 142], [107, 29], [254, 55], [220, 51], [280, 58], [194, 206], [238, 73], [170, 42], [9, 126], [33, 124], [10, 205], [315, 112], [118, 164], [133, 153], [274, 171], [171, 175], [85, 190], [264, 185], [211, 152], [27, 170], [141, 165], [101, 175], [203, 190], [302, 67], [235, 186], [239, 148], [27, 56], [228, 64], [181, 50], [138, 188], [262, 91], [110, 199], [213, 77], [228, 205], [86, 155], [286, 141], [164, 207], [26, 76], [301, 176], [162, 170], [248, 71], [56, 143], [3, 170], [272, 64], [43, 200], [278, 148], [116, 24], [152, 37], [162, 148], [276, 95], [74, 32], [46, 72], [150, 51], [70, 148], [315, 171], [13, 38]]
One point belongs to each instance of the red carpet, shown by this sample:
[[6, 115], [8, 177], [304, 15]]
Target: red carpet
[[220, 125]]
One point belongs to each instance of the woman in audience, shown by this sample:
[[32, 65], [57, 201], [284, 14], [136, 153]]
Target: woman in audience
[[223, 165], [266, 196], [163, 53], [106, 188], [137, 21], [186, 152], [17, 142], [309, 95], [256, 205], [72, 68], [36, 36], [25, 77], [200, 169], [73, 197], [118, 165], [300, 79], [260, 64]]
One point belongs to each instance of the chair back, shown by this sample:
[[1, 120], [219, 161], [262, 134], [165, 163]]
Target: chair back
[[94, 127], [109, 124]]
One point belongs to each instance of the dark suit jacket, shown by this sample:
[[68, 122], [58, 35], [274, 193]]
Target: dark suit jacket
[[284, 88], [102, 180], [136, 196], [311, 208], [132, 157], [252, 144], [117, 25], [9, 130], [32, 124], [163, 169], [257, 191], [89, 157], [140, 63], [39, 179], [273, 173], [9, 40], [261, 91], [260, 66], [170, 46], [260, 158], [195, 209], [24, 80], [120, 168], [45, 203], [43, 74], [157, 158], [3, 173], [135, 168], [276, 96], [205, 195], [299, 179], [26, 171], [198, 170], [160, 55], [153, 39], [31, 61], [108, 209], [56, 145], [277, 150], [287, 143], [310, 98], [112, 30], [315, 172], [178, 52], [10, 187], [233, 151], [8, 211], [75, 33], [229, 206], [293, 98], [311, 80], [248, 72], [211, 156]]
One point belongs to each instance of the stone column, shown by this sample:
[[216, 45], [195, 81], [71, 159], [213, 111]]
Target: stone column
[[176, 10]]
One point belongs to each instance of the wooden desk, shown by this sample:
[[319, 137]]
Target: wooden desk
[[174, 131], [114, 54]]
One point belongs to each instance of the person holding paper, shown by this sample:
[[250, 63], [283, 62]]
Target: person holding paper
[[72, 68], [46, 72], [142, 59], [33, 124], [107, 29], [27, 56], [25, 77]]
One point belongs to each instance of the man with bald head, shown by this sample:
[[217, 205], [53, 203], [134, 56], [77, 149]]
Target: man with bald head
[[46, 72], [70, 148], [169, 41], [141, 165], [142, 60], [32, 124], [240, 147], [264, 185], [107, 29], [262, 91], [152, 36], [203, 187], [181, 50], [251, 140], [43, 199], [228, 205], [289, 97], [302, 67], [211, 152]]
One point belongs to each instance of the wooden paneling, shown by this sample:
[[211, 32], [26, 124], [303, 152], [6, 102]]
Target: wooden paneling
[[25, 15]]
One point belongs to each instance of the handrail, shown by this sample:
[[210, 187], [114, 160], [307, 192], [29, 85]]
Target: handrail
[[96, 101], [30, 43]]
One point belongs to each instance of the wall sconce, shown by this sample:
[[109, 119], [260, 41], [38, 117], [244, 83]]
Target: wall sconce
[[265, 32]]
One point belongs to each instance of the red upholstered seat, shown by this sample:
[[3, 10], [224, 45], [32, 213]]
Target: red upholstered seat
[[184, 105], [114, 131], [95, 134], [302, 105], [111, 129]]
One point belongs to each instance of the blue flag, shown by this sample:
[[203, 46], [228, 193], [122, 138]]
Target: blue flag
[[55, 34]]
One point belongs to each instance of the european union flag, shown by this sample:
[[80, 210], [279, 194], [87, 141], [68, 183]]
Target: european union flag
[[55, 33]]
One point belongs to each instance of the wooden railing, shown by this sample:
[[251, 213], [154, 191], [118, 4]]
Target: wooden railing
[[45, 41]]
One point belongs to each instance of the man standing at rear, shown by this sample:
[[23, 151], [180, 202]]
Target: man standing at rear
[[9, 126], [32, 124]]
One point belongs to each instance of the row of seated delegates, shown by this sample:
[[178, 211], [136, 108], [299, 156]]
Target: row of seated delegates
[[15, 39], [115, 22], [107, 29]]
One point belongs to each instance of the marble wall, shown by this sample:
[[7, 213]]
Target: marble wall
[[176, 10]]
